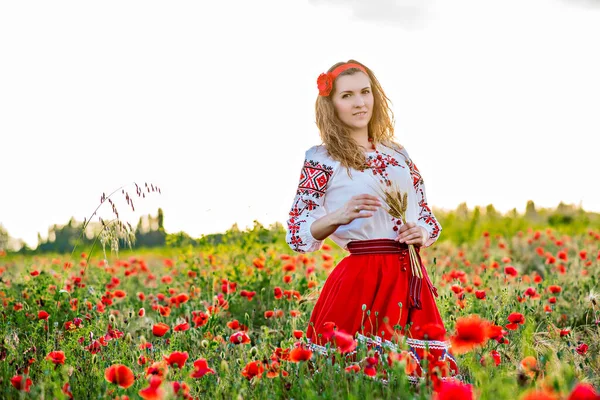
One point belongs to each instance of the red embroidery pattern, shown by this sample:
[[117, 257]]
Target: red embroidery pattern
[[313, 182], [425, 213], [378, 165], [414, 172]]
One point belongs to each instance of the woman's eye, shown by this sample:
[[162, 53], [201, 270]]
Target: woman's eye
[[345, 95], [367, 91]]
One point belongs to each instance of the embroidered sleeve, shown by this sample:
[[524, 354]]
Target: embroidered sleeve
[[308, 204], [426, 218]]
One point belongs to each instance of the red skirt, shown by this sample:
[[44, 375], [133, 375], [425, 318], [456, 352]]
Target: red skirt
[[373, 296]]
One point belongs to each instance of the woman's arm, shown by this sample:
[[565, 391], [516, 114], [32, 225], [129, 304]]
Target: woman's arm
[[359, 206]]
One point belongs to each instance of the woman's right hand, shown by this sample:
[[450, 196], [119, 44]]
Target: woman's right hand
[[359, 206]]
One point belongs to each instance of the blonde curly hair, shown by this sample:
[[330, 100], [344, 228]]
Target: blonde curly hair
[[336, 135]]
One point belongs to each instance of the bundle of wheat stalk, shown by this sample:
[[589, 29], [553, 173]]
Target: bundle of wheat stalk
[[396, 203]]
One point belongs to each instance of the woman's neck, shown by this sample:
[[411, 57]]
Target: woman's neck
[[362, 138]]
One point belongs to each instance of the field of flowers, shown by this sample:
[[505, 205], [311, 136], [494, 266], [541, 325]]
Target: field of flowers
[[521, 312]]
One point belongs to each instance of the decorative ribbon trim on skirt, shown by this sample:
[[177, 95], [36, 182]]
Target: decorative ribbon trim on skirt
[[390, 246], [378, 345]]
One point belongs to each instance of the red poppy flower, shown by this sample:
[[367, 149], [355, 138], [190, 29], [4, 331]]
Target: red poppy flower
[[453, 389], [233, 324], [274, 370], [582, 349], [181, 387], [176, 359], [510, 270], [201, 368], [239, 337], [300, 354], [153, 391], [160, 329], [165, 311], [120, 294], [141, 312], [370, 370], [248, 294], [253, 369], [34, 273], [287, 278], [66, 389], [496, 356], [159, 368], [57, 357], [480, 294], [344, 342], [258, 263], [325, 84], [529, 365], [496, 332], [456, 289], [182, 327], [269, 314], [583, 391], [471, 332], [554, 289], [352, 368], [119, 375], [289, 267], [278, 292], [562, 255], [199, 318], [94, 347], [297, 333], [20, 383], [515, 320], [43, 315]]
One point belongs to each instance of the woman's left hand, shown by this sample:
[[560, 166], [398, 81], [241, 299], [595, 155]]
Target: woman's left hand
[[411, 233]]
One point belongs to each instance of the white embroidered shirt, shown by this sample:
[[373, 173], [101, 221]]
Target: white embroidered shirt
[[325, 186]]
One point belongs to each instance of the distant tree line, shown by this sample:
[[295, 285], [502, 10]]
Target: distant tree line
[[149, 232], [462, 225]]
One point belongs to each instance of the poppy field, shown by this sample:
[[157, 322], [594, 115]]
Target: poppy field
[[228, 321]]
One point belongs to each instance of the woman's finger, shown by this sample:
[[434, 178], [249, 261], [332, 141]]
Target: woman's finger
[[407, 236], [364, 215]]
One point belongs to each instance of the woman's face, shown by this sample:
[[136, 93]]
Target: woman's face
[[353, 100]]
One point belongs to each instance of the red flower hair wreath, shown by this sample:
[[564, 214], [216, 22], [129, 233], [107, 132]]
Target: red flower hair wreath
[[325, 80]]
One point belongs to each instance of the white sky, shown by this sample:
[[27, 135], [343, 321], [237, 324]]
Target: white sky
[[496, 101]]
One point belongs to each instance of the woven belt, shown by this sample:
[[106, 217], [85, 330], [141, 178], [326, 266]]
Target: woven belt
[[390, 246], [376, 246]]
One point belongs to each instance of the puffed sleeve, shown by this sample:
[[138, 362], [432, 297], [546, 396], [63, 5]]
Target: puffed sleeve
[[425, 218], [308, 202]]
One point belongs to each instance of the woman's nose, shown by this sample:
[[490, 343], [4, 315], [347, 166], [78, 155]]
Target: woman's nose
[[359, 102]]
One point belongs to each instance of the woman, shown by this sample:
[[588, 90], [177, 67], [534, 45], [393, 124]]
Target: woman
[[372, 294]]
